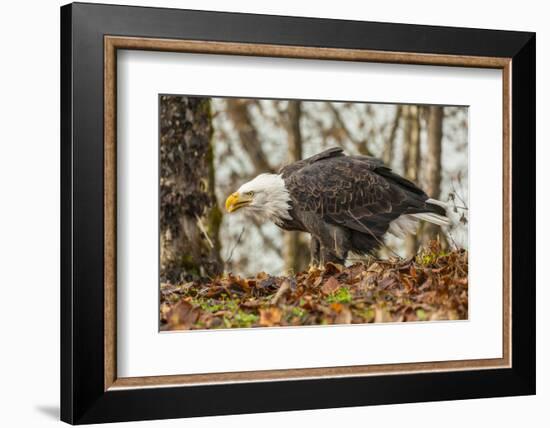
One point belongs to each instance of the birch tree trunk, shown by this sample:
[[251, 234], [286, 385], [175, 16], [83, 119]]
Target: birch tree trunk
[[189, 214]]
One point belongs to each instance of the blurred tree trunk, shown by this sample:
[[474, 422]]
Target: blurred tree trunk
[[294, 132], [237, 110], [343, 134], [433, 168], [387, 154], [189, 214], [411, 158], [433, 154], [295, 249], [412, 149]]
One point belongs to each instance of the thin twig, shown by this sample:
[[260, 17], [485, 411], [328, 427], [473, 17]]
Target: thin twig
[[458, 195], [235, 246], [267, 241], [285, 286], [450, 236], [362, 145], [203, 230]]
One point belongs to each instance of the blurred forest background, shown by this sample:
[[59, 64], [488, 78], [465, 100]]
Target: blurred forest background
[[210, 146]]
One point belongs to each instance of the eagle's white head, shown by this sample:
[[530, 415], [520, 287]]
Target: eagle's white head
[[265, 197]]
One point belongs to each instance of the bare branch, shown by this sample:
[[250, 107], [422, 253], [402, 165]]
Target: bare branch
[[360, 144], [237, 110]]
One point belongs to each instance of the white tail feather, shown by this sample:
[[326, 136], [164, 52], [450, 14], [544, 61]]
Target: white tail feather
[[438, 203], [408, 223], [433, 218], [403, 225]]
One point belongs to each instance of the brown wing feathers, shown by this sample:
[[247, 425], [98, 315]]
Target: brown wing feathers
[[357, 192]]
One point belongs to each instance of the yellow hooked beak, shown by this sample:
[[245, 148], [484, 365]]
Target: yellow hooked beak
[[236, 201]]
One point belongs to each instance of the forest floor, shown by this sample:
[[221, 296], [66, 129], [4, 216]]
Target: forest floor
[[431, 286]]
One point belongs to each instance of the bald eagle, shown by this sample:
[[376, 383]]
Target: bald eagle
[[346, 203]]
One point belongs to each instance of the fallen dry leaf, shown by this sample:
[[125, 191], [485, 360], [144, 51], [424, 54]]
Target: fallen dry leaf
[[284, 287], [182, 316], [270, 317], [330, 286], [343, 317]]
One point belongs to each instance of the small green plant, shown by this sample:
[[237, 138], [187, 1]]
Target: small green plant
[[421, 314], [428, 258], [298, 312], [243, 319], [342, 295]]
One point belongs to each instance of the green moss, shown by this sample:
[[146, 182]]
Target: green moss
[[230, 304], [209, 305], [213, 223], [244, 319], [188, 264], [227, 322], [237, 317], [240, 319]]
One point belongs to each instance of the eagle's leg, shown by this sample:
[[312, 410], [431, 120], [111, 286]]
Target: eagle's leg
[[315, 252], [335, 244], [327, 255]]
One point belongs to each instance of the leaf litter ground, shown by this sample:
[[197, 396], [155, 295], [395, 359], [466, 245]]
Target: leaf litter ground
[[431, 286]]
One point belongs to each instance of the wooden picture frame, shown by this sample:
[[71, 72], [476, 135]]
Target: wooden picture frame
[[91, 390]]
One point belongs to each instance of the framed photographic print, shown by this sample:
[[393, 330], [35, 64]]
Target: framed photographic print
[[265, 213]]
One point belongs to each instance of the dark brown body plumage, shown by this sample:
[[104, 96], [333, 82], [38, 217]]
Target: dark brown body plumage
[[347, 203]]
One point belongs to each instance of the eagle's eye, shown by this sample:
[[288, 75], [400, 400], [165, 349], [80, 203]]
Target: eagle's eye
[[250, 193]]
